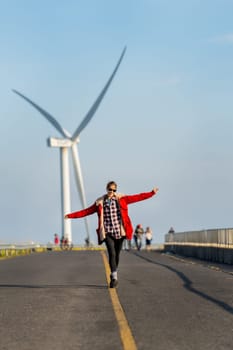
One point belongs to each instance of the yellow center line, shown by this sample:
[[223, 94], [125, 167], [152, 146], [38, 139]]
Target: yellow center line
[[127, 339]]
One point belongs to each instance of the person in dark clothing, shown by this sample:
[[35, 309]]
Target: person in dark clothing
[[138, 233]]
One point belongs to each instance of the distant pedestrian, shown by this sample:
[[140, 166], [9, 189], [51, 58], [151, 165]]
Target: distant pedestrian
[[171, 230], [148, 237], [128, 241], [171, 236], [65, 243], [56, 239], [138, 233], [171, 233], [127, 244], [62, 242], [114, 224]]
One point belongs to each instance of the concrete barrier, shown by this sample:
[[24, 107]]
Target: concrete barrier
[[11, 250], [7, 251]]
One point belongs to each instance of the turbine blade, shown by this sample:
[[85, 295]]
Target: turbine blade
[[48, 116], [96, 104], [78, 174], [79, 182]]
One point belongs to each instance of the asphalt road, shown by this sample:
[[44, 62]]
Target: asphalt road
[[60, 300]]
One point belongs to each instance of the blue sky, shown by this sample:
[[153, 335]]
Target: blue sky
[[166, 121]]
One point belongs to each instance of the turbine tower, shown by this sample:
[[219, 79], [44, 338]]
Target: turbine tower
[[70, 142]]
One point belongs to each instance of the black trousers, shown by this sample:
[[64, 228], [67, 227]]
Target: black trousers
[[114, 248]]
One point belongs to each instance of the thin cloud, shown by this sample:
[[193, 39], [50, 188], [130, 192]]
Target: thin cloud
[[168, 81], [223, 39]]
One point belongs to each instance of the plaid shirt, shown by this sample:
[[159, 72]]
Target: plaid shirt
[[112, 217]]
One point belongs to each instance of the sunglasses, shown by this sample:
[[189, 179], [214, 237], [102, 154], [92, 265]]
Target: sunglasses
[[111, 190]]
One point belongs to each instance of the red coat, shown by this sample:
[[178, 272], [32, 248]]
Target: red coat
[[123, 201]]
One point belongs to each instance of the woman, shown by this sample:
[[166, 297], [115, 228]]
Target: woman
[[148, 236], [114, 224]]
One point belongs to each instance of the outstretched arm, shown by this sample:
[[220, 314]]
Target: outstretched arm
[[141, 196], [81, 213]]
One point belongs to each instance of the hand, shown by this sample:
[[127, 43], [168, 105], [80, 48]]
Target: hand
[[66, 216], [155, 189]]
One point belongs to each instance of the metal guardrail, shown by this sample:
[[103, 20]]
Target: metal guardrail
[[212, 245], [205, 238]]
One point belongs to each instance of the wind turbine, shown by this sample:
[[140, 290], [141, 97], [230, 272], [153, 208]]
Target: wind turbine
[[70, 142]]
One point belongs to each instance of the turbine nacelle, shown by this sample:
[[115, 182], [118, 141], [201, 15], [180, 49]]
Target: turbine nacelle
[[58, 142]]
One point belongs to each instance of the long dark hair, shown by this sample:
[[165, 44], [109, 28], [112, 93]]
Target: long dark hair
[[110, 183]]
